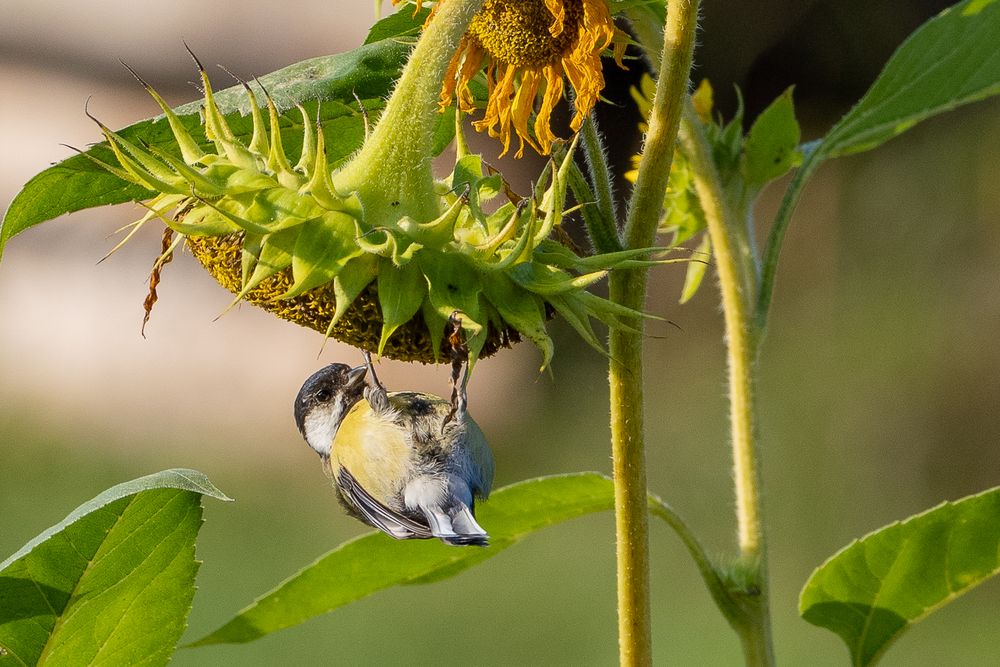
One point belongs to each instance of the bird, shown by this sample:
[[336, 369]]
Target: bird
[[408, 463]]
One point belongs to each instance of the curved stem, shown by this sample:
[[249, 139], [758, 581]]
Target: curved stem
[[755, 627], [628, 287], [392, 171], [713, 581], [813, 156]]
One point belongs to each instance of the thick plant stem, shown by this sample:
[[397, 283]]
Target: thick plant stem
[[628, 287], [392, 171], [629, 472], [754, 625]]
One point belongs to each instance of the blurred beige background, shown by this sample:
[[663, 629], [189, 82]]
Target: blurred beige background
[[879, 393]]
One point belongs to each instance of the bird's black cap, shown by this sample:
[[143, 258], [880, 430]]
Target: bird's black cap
[[327, 384]]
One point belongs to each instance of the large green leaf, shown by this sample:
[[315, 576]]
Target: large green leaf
[[367, 72], [110, 584], [370, 563], [875, 588], [952, 60]]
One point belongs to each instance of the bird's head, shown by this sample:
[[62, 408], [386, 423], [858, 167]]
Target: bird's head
[[323, 402]]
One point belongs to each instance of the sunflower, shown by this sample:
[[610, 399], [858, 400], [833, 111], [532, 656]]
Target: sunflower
[[527, 49]]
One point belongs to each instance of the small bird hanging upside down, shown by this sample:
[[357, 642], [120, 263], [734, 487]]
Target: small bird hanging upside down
[[407, 463]]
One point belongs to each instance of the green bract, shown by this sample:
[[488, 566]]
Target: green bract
[[343, 262]]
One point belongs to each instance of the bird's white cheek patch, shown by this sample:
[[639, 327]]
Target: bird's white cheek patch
[[321, 427]]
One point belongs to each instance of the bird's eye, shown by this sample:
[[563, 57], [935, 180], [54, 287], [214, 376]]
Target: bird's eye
[[323, 395]]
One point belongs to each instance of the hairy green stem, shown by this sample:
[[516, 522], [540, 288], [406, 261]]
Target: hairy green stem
[[603, 236], [392, 171], [813, 156], [754, 628], [628, 287], [709, 572], [600, 176], [461, 142], [646, 23]]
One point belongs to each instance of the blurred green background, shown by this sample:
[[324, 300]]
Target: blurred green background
[[879, 394]]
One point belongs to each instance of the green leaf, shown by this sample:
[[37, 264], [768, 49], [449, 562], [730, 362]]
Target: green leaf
[[770, 147], [112, 583], [874, 589], [951, 60], [371, 563], [403, 23], [79, 182]]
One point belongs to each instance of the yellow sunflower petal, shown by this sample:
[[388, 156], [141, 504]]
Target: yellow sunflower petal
[[553, 93], [522, 45], [588, 83], [450, 80], [558, 11], [523, 105], [498, 109], [470, 66]]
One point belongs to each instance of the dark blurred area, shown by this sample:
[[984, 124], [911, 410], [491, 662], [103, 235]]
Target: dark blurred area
[[878, 380]]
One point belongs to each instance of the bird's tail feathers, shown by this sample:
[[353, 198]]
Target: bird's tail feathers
[[458, 529]]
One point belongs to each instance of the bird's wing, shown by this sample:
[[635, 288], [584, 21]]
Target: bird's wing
[[482, 456], [388, 521]]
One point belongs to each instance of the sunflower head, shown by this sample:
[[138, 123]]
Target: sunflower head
[[528, 49], [290, 240]]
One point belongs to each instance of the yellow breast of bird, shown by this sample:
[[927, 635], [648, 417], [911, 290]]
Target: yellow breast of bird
[[375, 449]]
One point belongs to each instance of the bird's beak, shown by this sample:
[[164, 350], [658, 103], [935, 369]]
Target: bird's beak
[[356, 375]]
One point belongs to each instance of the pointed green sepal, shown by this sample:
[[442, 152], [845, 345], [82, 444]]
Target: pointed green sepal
[[437, 233], [401, 291], [137, 173], [321, 252], [320, 186], [522, 310], [384, 242], [190, 150], [554, 198], [506, 233], [275, 255], [309, 149], [522, 249], [196, 180], [356, 275], [546, 280], [700, 259], [436, 324], [576, 314], [200, 220], [277, 162], [249, 254]]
